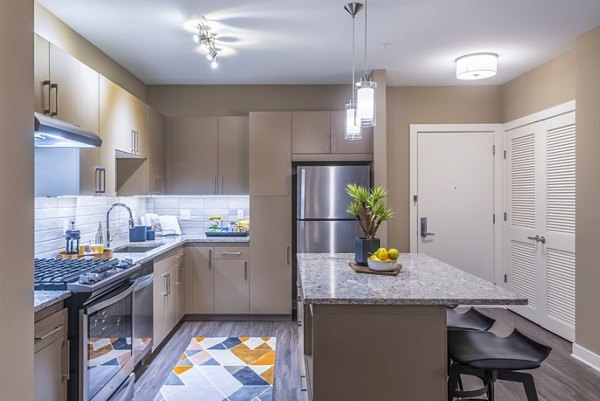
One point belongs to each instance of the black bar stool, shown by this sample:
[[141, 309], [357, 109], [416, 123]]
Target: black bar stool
[[470, 320], [492, 358]]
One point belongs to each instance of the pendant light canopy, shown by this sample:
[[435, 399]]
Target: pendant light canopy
[[353, 131], [476, 66], [365, 97]]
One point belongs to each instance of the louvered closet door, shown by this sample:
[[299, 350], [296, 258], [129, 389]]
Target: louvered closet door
[[541, 202]]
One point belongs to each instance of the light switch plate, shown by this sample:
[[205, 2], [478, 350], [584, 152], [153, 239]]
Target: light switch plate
[[240, 214], [185, 214]]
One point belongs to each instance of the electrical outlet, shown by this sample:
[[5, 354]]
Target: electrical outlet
[[185, 214], [240, 214]]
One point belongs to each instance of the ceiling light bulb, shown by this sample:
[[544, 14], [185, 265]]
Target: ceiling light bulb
[[212, 54], [214, 64], [353, 132], [365, 102], [476, 66], [196, 38]]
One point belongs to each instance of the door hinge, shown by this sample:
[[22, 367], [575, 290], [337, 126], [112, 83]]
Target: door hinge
[[494, 149], [494, 218], [505, 155], [415, 198], [505, 216], [505, 278]]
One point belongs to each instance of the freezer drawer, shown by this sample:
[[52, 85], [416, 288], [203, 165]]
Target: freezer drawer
[[327, 236], [321, 190]]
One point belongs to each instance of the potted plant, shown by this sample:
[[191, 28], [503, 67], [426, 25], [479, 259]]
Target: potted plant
[[368, 208]]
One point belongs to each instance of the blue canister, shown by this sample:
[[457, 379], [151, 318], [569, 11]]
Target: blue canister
[[150, 234], [137, 234]]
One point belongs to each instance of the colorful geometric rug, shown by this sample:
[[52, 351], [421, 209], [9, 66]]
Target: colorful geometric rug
[[223, 369]]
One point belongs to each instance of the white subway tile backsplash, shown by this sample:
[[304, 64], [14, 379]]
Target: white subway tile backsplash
[[87, 211]]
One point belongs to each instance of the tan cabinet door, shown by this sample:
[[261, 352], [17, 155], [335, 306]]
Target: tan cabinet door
[[194, 144], [270, 153], [233, 155], [160, 307], [200, 278], [232, 286], [140, 126], [270, 254], [311, 132], [156, 152], [341, 145], [49, 371], [41, 75], [64, 96], [180, 291]]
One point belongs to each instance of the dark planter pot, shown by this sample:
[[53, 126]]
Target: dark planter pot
[[363, 248]]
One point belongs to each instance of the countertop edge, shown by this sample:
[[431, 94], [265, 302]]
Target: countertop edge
[[415, 302], [45, 299]]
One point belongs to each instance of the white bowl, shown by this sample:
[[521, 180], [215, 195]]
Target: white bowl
[[382, 265]]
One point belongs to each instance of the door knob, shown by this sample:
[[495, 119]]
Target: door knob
[[537, 238]]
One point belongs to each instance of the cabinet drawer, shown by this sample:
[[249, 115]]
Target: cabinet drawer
[[232, 253], [174, 258], [50, 329]]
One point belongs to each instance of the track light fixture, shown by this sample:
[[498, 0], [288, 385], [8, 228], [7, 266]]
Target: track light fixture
[[207, 39]]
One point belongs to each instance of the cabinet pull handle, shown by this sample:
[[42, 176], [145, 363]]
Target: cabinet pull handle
[[288, 255], [137, 142], [210, 258], [100, 180], [215, 184], [246, 270], [165, 285], [44, 98], [169, 287], [157, 182], [67, 362], [178, 282], [287, 185], [55, 112], [231, 253], [48, 334], [222, 189]]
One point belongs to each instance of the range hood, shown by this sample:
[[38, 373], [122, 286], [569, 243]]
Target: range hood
[[53, 133]]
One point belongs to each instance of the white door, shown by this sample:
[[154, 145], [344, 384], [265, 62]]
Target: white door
[[540, 229], [455, 199]]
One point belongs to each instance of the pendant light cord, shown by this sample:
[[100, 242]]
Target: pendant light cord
[[353, 65], [366, 14]]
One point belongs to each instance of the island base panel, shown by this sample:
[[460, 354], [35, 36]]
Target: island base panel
[[378, 352]]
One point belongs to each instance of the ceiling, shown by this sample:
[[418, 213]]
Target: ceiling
[[309, 41]]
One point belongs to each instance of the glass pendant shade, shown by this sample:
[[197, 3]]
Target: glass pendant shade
[[353, 132], [476, 66], [365, 104]]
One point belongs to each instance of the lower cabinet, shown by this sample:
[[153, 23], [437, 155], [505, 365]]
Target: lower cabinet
[[51, 357], [200, 297], [232, 288], [168, 292]]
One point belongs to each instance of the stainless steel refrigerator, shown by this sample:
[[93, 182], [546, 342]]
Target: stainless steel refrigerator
[[322, 224]]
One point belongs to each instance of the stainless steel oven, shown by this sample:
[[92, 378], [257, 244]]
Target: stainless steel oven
[[106, 329]]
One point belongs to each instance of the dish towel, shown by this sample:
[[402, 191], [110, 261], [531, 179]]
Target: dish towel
[[223, 369]]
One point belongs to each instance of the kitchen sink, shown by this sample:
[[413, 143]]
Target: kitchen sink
[[135, 248]]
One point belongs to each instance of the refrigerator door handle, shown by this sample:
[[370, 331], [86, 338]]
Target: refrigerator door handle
[[302, 194]]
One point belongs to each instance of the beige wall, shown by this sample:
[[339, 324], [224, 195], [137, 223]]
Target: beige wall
[[16, 211], [212, 100], [426, 105], [588, 192], [548, 85], [53, 29]]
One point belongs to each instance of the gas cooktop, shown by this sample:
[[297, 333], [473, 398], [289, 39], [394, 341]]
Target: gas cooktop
[[76, 274]]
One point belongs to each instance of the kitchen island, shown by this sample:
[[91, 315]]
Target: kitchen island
[[373, 337]]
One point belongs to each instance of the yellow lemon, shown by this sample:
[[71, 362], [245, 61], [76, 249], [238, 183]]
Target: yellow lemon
[[376, 253], [393, 254], [373, 257], [383, 254]]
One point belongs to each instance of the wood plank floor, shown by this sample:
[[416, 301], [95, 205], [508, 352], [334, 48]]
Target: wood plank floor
[[561, 378]]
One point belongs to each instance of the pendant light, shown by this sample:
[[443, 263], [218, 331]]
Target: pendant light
[[353, 131], [365, 91]]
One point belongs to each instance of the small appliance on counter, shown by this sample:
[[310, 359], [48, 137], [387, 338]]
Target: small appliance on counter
[[72, 237]]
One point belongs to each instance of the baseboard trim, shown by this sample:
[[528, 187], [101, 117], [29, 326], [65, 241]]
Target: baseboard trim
[[586, 356], [237, 318]]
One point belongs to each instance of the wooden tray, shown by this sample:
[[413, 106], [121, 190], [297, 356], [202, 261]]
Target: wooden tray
[[365, 269], [107, 254]]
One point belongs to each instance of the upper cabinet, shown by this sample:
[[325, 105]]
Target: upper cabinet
[[270, 151], [156, 152], [311, 132], [339, 145], [65, 88], [208, 155]]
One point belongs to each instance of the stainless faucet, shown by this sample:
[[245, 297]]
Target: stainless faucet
[[131, 221]]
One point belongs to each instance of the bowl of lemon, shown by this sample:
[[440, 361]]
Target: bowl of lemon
[[383, 260]]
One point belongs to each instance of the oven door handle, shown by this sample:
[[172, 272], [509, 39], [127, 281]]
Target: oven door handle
[[144, 282], [101, 305]]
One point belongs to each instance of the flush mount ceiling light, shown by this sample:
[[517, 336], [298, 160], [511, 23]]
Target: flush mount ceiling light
[[353, 131], [476, 66], [365, 91], [207, 39]]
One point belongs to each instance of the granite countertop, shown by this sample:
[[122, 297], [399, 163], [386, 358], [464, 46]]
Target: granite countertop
[[169, 243], [44, 299], [423, 280]]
